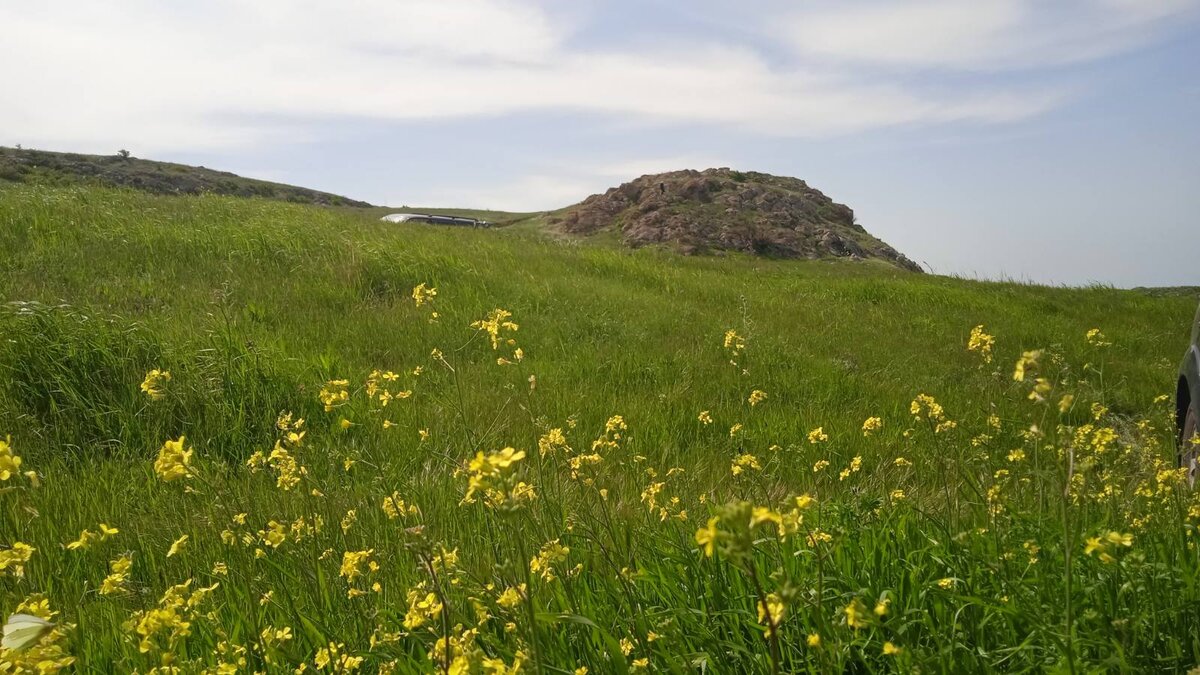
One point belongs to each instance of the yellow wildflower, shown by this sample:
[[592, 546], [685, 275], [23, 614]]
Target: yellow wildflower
[[1096, 338], [763, 514], [1065, 403], [745, 461], [14, 559], [422, 294], [511, 597], [543, 563], [421, 608], [177, 545], [871, 425], [155, 380], [492, 476], [352, 563], [173, 462], [856, 614], [274, 535], [881, 607], [334, 393], [552, 442], [10, 463], [118, 576], [981, 342], [495, 324], [1104, 545], [818, 435], [707, 536], [395, 507], [1027, 362], [770, 612], [734, 343]]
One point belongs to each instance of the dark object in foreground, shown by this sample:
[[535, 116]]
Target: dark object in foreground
[[1187, 405]]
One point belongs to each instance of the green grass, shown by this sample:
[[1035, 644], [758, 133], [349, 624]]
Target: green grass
[[253, 305]]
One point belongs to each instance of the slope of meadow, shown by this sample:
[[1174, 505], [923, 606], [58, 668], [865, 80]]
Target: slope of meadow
[[655, 512]]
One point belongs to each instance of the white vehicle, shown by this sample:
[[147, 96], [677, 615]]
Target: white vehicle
[[434, 219]]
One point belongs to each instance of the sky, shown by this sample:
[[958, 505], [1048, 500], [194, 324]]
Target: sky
[[1052, 141]]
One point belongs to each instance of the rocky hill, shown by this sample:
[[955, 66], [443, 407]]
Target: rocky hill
[[727, 210], [65, 168]]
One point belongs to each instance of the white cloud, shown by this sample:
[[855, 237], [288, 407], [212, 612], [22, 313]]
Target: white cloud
[[158, 76], [977, 34]]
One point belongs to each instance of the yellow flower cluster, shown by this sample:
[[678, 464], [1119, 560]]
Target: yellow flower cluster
[[1103, 546], [160, 628], [378, 390], [770, 613], [551, 554], [154, 383], [743, 462], [423, 294], [853, 468], [177, 545], [334, 394], [13, 560], [926, 407], [493, 477], [733, 528], [336, 659], [981, 342], [422, 607], [496, 325], [1027, 363], [173, 462], [118, 575], [871, 425], [10, 463], [1096, 338], [553, 442], [734, 345], [857, 615], [356, 564], [87, 537], [395, 507]]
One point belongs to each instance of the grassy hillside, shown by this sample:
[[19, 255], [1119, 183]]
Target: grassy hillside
[[973, 547], [22, 165]]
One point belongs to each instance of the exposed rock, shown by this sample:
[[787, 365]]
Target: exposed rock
[[722, 209]]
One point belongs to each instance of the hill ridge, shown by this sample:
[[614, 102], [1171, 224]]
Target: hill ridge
[[23, 165]]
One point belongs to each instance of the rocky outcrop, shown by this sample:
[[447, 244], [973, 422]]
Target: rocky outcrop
[[727, 210]]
